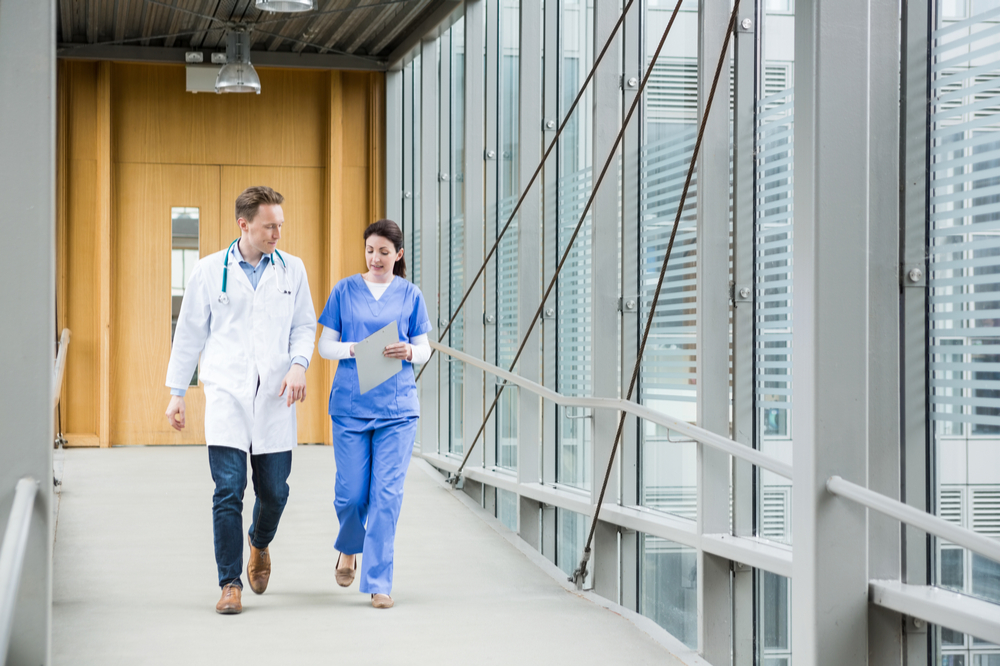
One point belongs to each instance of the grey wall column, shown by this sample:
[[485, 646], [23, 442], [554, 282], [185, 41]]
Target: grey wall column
[[831, 324], [529, 261], [714, 606], [473, 215], [550, 224], [394, 145], [743, 294], [429, 383], [604, 273], [885, 627], [915, 428], [630, 322], [27, 185]]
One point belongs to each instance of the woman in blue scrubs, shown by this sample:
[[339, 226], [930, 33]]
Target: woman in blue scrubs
[[373, 433]]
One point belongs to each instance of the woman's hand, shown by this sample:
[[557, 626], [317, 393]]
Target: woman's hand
[[400, 351]]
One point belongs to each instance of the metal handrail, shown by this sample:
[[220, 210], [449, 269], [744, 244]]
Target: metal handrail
[[722, 443], [914, 517], [15, 543], [60, 367]]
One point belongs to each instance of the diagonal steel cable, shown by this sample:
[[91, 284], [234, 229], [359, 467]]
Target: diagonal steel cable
[[581, 572], [531, 182], [576, 232]]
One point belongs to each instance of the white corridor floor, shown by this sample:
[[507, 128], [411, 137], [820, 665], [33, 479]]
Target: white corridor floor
[[135, 579]]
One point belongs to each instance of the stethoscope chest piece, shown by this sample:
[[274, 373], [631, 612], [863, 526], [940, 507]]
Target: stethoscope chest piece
[[224, 298]]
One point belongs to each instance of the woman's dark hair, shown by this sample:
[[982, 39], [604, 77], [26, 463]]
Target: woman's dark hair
[[388, 229]]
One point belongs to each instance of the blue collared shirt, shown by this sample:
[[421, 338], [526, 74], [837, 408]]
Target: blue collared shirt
[[253, 275]]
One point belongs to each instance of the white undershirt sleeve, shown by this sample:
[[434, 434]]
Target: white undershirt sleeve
[[420, 349], [331, 347]]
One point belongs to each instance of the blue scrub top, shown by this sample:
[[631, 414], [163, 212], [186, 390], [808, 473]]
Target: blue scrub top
[[354, 312]]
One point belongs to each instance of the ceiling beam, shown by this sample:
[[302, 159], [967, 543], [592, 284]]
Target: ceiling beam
[[160, 54]]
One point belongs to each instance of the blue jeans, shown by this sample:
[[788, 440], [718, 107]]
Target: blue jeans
[[270, 486]]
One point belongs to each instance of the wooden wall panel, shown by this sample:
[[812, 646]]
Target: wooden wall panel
[[144, 195], [302, 235], [132, 144], [78, 246], [157, 121]]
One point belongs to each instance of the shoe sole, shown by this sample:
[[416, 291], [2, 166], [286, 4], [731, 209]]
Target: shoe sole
[[228, 612]]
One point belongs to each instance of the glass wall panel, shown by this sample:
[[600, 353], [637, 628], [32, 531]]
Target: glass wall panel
[[774, 622], [773, 271], [964, 301], [456, 267], [669, 586], [508, 190], [573, 295], [184, 254], [668, 373], [571, 536], [507, 509]]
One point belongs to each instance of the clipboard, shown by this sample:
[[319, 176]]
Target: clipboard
[[373, 367]]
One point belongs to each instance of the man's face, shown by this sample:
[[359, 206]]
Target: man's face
[[265, 229]]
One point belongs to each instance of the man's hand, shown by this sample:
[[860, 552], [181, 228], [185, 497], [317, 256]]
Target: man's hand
[[295, 384], [175, 412], [398, 351]]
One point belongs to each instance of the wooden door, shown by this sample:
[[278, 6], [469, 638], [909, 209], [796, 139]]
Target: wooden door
[[303, 236], [144, 195]]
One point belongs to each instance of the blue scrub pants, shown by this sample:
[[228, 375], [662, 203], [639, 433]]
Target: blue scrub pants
[[372, 459]]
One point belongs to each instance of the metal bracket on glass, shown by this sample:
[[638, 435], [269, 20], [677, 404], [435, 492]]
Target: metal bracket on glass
[[549, 314], [489, 318], [746, 25], [407, 195], [740, 567], [443, 177], [912, 275], [548, 125], [575, 415], [915, 626], [628, 304], [743, 293], [489, 155]]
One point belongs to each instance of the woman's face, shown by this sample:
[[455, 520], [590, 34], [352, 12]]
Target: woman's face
[[381, 256]]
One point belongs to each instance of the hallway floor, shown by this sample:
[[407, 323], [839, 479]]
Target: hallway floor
[[135, 580]]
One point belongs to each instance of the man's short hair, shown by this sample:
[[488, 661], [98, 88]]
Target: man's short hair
[[251, 199]]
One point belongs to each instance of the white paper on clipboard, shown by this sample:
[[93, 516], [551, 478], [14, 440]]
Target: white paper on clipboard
[[374, 368]]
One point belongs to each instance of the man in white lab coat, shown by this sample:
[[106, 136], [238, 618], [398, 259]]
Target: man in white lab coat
[[248, 314]]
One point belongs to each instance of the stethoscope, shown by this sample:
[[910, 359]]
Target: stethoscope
[[224, 298]]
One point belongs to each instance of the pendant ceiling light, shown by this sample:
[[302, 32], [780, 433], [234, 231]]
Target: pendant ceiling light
[[284, 5], [237, 75]]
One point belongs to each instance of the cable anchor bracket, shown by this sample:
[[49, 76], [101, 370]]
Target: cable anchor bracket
[[580, 574]]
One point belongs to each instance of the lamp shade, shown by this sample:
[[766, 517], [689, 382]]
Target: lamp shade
[[284, 5], [237, 75]]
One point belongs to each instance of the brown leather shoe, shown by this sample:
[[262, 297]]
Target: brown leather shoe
[[345, 575], [382, 601], [231, 601], [258, 568]]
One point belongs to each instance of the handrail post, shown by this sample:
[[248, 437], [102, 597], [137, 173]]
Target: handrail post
[[15, 542]]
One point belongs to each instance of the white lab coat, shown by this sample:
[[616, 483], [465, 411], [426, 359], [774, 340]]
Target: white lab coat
[[246, 347]]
